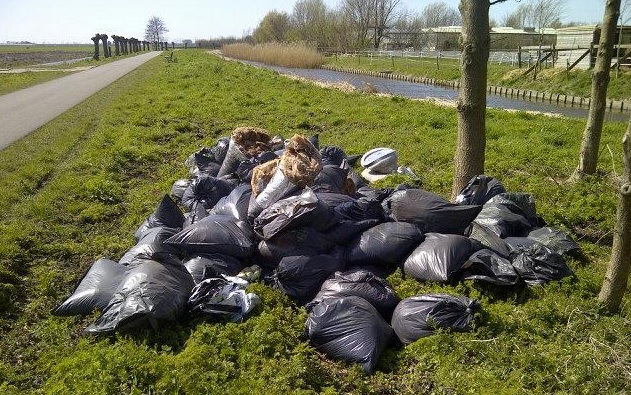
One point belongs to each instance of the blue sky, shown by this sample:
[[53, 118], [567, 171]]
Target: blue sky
[[67, 21]]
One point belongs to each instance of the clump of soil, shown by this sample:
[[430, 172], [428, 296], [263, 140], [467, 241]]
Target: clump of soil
[[21, 59]]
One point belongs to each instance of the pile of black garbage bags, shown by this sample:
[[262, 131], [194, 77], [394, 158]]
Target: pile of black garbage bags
[[299, 218]]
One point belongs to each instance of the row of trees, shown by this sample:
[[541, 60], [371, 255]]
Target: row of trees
[[358, 24]]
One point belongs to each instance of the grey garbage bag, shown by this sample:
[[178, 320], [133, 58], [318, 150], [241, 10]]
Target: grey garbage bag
[[360, 209], [479, 190], [294, 212], [151, 246], [94, 290], [222, 299], [166, 214], [197, 213], [235, 204], [331, 179], [555, 239], [430, 212], [439, 257], [359, 282], [538, 264], [489, 239], [504, 217], [216, 234], [346, 231], [178, 188], [419, 316], [150, 294], [349, 329], [386, 244], [301, 241], [488, 266], [203, 266], [300, 277], [206, 190]]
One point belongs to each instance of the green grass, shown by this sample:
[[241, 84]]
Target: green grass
[[576, 82], [76, 189]]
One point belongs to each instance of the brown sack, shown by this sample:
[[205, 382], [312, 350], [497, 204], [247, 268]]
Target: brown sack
[[301, 161]]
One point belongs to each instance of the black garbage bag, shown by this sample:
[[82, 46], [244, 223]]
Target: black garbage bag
[[538, 265], [152, 246], [300, 277], [488, 266], [504, 217], [357, 179], [235, 204], [334, 199], [331, 179], [94, 290], [246, 167], [203, 266], [220, 149], [221, 234], [346, 231], [222, 299], [419, 316], [178, 188], [555, 239], [430, 212], [332, 155], [360, 209], [349, 329], [203, 162], [166, 214], [386, 244], [359, 282], [150, 294], [206, 190], [301, 241], [489, 239], [231, 161], [197, 213], [294, 212], [439, 257], [378, 194], [479, 190]]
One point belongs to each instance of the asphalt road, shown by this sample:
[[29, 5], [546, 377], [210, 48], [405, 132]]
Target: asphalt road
[[24, 111]]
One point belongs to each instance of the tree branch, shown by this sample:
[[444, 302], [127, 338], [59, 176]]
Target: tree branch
[[496, 1]]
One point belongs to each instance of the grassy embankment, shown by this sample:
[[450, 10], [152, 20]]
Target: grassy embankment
[[575, 83], [34, 56], [76, 189]]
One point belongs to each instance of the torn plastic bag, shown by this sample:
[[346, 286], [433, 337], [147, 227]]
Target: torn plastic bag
[[178, 188], [222, 299], [349, 329], [246, 168], [331, 179], [346, 231], [488, 266], [150, 294], [360, 209], [167, 214], [294, 212], [363, 283], [94, 290], [235, 204], [206, 190], [386, 244], [430, 212], [300, 241], [332, 155], [555, 239], [503, 217], [220, 234], [439, 257], [151, 246], [479, 190], [419, 316], [489, 239], [538, 265], [245, 143], [300, 277], [203, 266]]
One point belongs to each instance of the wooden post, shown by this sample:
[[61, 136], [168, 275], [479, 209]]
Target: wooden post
[[519, 56]]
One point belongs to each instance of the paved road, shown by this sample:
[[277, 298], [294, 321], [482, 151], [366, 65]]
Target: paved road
[[24, 111]]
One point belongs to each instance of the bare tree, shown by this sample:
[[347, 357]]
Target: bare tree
[[542, 13], [517, 19], [155, 30], [471, 104], [600, 80], [384, 17], [439, 14], [370, 17], [615, 282]]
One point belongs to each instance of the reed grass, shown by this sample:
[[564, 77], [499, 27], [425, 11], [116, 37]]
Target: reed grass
[[297, 55]]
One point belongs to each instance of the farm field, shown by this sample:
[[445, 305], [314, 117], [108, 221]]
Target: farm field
[[78, 188]]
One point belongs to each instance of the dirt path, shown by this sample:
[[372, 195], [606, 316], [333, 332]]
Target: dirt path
[[24, 111]]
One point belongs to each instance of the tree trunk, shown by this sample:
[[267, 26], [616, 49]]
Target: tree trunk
[[471, 104], [600, 80], [615, 282]]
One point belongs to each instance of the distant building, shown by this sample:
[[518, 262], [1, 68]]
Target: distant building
[[576, 41]]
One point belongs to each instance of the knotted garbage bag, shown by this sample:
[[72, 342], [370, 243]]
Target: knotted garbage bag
[[479, 190]]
